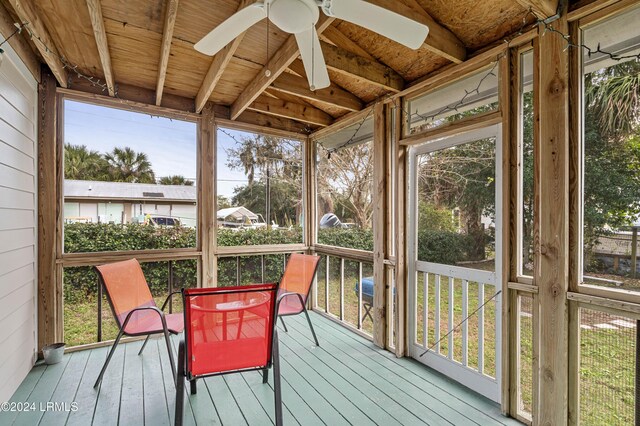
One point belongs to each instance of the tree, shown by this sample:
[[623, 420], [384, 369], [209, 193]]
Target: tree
[[126, 165], [83, 164], [284, 211], [175, 180]]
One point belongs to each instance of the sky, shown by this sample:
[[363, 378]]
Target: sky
[[169, 144]]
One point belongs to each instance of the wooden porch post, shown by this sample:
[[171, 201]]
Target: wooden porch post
[[207, 199], [49, 303], [551, 265], [379, 226]]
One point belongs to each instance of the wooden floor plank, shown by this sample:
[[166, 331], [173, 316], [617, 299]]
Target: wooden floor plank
[[169, 382], [108, 404], [132, 395], [86, 396], [22, 393], [264, 393], [156, 412], [65, 393], [225, 404], [444, 389], [414, 403], [42, 393], [251, 408]]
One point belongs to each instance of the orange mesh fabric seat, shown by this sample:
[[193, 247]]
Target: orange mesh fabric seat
[[134, 308], [228, 330], [295, 286]]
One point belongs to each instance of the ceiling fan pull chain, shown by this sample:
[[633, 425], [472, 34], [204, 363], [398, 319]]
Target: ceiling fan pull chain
[[267, 72]]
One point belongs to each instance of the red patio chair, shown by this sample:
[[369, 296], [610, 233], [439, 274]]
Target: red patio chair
[[134, 309], [228, 330], [295, 286]]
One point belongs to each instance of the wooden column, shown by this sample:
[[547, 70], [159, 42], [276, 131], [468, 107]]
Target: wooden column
[[551, 266], [400, 157], [379, 226], [207, 196], [49, 306]]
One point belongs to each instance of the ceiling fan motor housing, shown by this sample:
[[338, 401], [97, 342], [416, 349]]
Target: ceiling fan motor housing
[[294, 16]]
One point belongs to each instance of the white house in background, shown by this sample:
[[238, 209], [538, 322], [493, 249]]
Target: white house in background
[[123, 202]]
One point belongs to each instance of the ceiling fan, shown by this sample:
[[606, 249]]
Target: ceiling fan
[[299, 17]]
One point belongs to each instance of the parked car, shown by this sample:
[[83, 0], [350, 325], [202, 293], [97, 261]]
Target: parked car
[[156, 220]]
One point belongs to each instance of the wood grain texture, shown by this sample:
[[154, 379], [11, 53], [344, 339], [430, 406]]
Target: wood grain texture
[[47, 207], [291, 110], [206, 195], [48, 50], [283, 57], [371, 71], [379, 223], [551, 268], [167, 35], [542, 8], [19, 43], [97, 23], [332, 95], [219, 65], [338, 38]]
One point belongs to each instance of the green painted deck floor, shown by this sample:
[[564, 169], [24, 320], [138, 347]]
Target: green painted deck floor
[[345, 381]]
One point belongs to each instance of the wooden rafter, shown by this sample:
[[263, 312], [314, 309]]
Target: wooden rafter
[[332, 95], [347, 63], [338, 38], [292, 110], [167, 35], [218, 65], [287, 53], [26, 12], [440, 40], [542, 8], [97, 22], [19, 43]]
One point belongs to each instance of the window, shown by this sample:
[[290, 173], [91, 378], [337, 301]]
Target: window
[[525, 166], [129, 180], [259, 189], [344, 180], [611, 152], [473, 95]]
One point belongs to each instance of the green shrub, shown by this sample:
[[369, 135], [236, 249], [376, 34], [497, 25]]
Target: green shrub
[[443, 246], [355, 238]]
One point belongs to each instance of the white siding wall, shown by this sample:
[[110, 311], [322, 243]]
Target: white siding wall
[[18, 102]]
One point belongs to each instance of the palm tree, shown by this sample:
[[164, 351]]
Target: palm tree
[[126, 165], [83, 164], [175, 180]]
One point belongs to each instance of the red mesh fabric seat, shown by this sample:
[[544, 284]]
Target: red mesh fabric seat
[[227, 330], [295, 286], [134, 308]]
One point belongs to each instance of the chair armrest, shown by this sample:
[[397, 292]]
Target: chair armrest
[[285, 294], [164, 305], [145, 308]]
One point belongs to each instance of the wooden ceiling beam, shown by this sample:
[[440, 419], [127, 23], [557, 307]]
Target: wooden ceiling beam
[[276, 65], [26, 12], [100, 34], [19, 43], [218, 65], [291, 110], [542, 8], [332, 95], [338, 38], [167, 35], [347, 63], [440, 40]]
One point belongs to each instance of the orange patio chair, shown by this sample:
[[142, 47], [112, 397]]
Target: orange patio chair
[[295, 286], [228, 330], [134, 309]]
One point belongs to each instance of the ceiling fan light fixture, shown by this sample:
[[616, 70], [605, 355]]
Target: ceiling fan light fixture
[[294, 16]]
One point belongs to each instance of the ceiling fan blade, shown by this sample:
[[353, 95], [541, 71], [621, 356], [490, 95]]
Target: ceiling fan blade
[[235, 25], [313, 59], [380, 20]]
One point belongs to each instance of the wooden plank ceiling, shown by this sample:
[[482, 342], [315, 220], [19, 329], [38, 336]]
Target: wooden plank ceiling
[[147, 46]]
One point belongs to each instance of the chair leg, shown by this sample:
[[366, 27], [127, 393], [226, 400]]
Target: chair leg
[[106, 363], [311, 327], [194, 386], [144, 344], [173, 363], [284, 325], [265, 375], [276, 379], [179, 412]]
